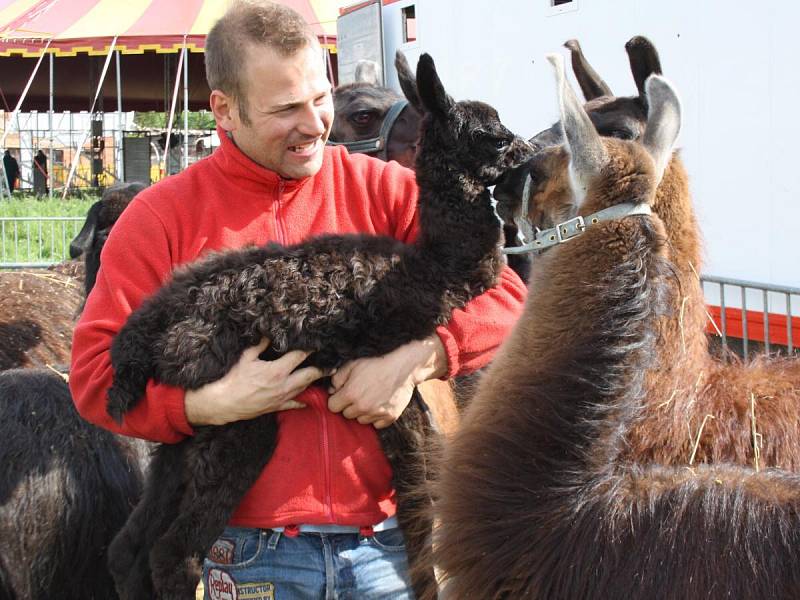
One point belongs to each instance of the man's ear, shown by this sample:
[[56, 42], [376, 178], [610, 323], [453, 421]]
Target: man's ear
[[225, 109]]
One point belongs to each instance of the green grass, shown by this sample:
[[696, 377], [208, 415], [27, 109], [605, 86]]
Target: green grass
[[29, 205], [40, 241]]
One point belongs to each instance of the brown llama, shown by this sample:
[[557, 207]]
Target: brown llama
[[564, 479], [697, 384]]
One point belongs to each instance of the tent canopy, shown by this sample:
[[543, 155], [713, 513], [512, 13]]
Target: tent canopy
[[80, 33]]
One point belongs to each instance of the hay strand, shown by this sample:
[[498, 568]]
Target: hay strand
[[699, 435]]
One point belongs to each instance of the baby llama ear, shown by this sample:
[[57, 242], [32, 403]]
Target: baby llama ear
[[663, 121], [587, 153], [431, 91]]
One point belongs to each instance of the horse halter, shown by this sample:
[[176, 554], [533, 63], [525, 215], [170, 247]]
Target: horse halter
[[377, 144], [541, 239]]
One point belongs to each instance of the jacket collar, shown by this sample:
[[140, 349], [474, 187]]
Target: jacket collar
[[243, 170]]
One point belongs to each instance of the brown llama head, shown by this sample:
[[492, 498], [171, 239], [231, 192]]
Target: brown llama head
[[604, 172], [621, 117], [479, 147]]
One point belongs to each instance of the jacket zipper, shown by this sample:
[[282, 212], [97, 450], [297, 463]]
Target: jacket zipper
[[279, 228], [326, 455], [322, 409]]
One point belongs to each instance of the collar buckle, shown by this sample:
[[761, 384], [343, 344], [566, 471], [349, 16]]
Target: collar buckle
[[569, 229]]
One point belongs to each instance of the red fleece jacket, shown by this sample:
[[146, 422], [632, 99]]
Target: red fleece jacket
[[325, 469]]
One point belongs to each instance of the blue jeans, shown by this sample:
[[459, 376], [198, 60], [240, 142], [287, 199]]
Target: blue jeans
[[261, 564]]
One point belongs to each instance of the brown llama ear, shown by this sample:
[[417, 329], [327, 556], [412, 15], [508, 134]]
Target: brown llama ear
[[408, 83], [644, 61], [367, 72], [587, 153], [431, 91], [663, 121], [592, 85]]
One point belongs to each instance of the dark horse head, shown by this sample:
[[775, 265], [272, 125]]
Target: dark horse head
[[375, 120]]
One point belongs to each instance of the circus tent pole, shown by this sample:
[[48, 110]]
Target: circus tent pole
[[50, 127], [172, 108], [118, 158], [185, 104], [15, 113], [77, 155]]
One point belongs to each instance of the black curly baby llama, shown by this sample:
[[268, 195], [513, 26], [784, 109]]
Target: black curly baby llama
[[340, 296]]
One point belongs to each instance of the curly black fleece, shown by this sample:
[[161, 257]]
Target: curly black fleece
[[342, 297]]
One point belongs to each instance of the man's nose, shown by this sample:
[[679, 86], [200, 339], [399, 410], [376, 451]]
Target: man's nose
[[314, 120]]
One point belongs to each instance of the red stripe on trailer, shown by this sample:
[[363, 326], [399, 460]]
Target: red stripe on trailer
[[778, 333]]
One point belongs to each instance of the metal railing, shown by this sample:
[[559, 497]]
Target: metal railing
[[753, 315], [748, 315], [27, 242]]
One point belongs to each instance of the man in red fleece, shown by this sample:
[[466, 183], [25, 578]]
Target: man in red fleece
[[319, 522]]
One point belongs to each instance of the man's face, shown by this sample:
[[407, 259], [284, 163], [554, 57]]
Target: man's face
[[288, 100]]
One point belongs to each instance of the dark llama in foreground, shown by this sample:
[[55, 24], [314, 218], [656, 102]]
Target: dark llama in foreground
[[341, 297], [376, 120], [552, 450]]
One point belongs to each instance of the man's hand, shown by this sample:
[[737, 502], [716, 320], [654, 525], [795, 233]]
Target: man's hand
[[377, 390], [251, 388]]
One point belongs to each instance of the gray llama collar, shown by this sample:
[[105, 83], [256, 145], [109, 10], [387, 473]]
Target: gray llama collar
[[571, 228]]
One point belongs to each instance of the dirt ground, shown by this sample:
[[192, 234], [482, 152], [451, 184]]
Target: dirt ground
[[38, 311]]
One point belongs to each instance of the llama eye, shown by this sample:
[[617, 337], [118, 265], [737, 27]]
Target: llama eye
[[621, 134], [501, 144], [361, 117]]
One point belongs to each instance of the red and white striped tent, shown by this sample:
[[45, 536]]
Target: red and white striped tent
[[79, 33], [157, 45]]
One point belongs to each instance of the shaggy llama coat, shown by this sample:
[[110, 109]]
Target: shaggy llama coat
[[591, 425], [67, 487]]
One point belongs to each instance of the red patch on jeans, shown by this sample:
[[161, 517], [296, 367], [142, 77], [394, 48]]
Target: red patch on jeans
[[220, 585], [222, 552]]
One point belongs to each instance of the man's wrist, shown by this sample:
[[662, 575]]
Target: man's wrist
[[433, 364], [196, 407]]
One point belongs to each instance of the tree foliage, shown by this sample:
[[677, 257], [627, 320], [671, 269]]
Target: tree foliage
[[203, 119]]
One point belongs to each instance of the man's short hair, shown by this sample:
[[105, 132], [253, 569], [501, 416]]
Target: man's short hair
[[250, 22]]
